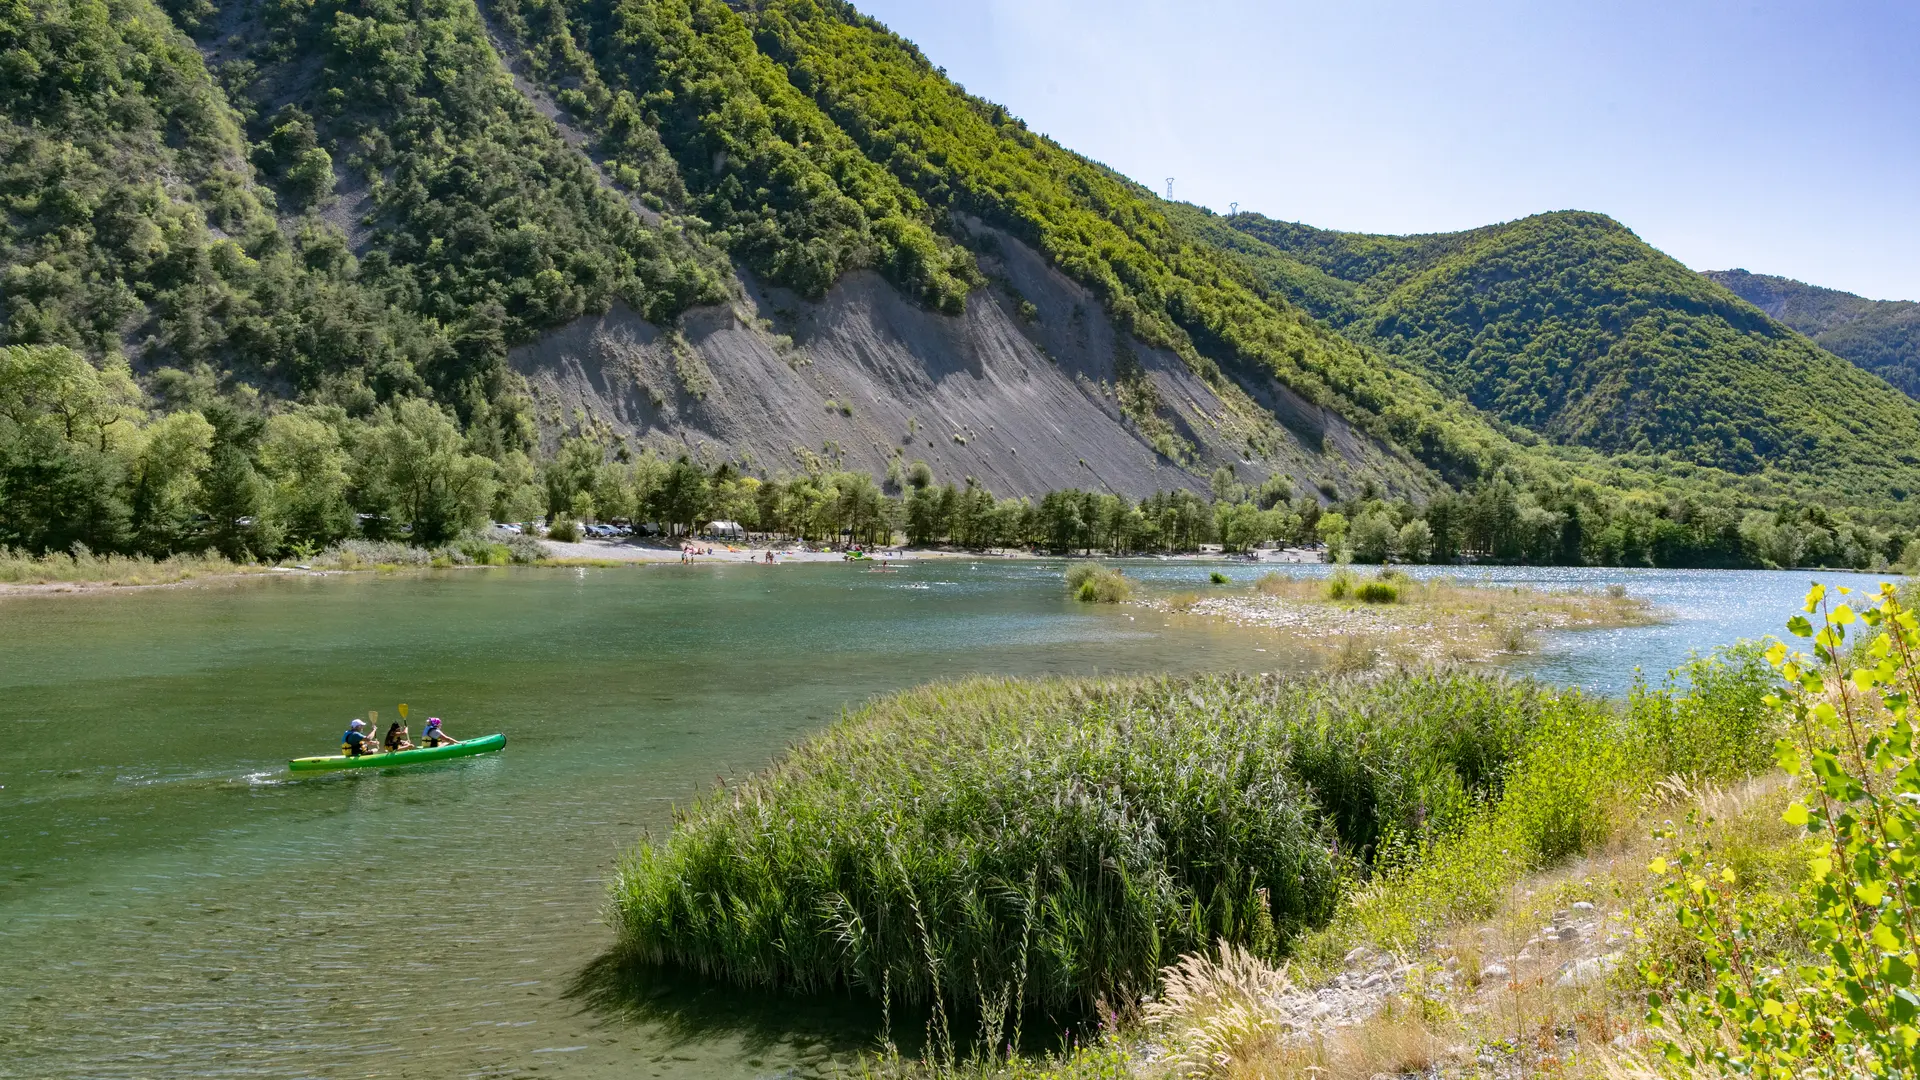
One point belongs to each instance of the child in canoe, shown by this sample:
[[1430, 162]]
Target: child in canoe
[[434, 736], [397, 739]]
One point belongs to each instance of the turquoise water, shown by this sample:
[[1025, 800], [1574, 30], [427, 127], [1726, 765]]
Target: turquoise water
[[173, 903]]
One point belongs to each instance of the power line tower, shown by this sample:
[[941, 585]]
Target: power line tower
[[1169, 189], [1233, 209]]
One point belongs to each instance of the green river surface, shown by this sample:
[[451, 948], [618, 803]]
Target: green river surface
[[173, 903]]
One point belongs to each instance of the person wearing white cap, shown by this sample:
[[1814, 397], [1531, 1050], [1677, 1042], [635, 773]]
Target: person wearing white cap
[[354, 742]]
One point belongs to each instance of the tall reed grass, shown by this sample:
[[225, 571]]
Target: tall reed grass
[[1565, 792], [1097, 584], [1055, 842], [81, 565]]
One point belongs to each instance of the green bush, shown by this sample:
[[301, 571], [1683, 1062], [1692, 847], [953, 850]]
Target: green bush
[[483, 552], [525, 550], [1096, 584], [1377, 592], [1062, 840], [1582, 771], [359, 553], [1219, 578], [1721, 727], [1846, 1006], [564, 530], [1340, 585]]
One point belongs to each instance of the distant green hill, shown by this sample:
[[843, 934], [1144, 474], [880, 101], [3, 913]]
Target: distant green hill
[[1569, 326], [1882, 336]]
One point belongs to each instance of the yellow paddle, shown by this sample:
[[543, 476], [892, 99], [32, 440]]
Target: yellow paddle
[[403, 712]]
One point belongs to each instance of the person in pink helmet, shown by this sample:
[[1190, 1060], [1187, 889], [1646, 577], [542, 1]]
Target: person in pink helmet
[[435, 735]]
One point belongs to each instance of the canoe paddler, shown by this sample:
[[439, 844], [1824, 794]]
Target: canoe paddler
[[397, 738], [354, 742], [434, 736]]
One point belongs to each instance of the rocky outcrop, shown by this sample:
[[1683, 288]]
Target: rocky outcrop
[[1032, 389]]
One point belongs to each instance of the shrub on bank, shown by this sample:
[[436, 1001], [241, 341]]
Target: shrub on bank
[[524, 550], [1377, 592], [357, 554], [1063, 840], [1565, 792], [1097, 584], [471, 550], [1840, 1001]]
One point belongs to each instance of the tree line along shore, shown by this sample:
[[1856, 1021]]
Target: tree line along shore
[[86, 466]]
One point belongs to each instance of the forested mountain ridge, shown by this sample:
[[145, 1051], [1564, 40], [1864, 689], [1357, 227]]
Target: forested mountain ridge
[[1571, 327], [1882, 336], [957, 154], [412, 265]]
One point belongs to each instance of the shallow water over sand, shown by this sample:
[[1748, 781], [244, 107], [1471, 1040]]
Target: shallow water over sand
[[173, 904]]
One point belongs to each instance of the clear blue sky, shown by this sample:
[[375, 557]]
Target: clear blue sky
[[1783, 138]]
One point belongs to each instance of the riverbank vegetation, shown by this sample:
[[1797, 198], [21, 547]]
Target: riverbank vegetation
[[1646, 898], [1391, 617], [86, 460], [83, 567], [1057, 842], [1095, 584]]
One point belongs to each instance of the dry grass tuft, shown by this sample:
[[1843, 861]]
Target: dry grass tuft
[[1216, 1017]]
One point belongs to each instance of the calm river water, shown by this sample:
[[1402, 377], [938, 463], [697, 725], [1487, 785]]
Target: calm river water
[[173, 904]]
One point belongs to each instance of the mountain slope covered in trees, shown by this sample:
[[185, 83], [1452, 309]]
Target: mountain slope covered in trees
[[1569, 326], [1882, 336], [276, 273]]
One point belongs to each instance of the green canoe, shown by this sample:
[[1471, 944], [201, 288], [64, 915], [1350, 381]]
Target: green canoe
[[399, 757]]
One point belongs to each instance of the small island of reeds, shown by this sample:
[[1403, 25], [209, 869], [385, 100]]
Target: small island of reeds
[[1055, 843], [1392, 616]]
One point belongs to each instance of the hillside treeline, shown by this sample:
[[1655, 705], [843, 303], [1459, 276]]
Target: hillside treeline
[[84, 463]]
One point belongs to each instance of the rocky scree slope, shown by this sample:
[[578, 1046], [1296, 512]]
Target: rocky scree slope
[[812, 142], [1032, 388]]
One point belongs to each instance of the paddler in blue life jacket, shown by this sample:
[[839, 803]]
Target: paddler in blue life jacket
[[433, 736], [354, 742]]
